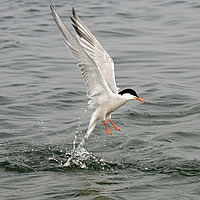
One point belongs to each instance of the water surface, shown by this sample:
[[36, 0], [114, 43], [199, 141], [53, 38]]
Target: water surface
[[155, 46]]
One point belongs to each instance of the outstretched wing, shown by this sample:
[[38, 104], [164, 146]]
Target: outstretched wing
[[95, 83], [95, 51]]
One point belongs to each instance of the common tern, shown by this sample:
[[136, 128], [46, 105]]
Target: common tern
[[97, 69]]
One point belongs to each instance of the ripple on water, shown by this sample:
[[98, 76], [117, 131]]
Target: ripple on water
[[36, 158]]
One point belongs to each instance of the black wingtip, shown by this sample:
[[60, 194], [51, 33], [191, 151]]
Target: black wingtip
[[77, 30], [73, 21], [73, 12], [51, 6]]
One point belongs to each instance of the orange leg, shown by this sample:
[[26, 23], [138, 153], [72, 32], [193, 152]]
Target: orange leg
[[115, 127], [107, 131]]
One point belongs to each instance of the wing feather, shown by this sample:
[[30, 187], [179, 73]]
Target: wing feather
[[95, 83], [95, 51]]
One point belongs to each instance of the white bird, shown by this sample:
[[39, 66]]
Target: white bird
[[97, 69]]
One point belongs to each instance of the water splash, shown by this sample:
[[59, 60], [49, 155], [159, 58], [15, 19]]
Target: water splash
[[79, 158], [77, 132], [79, 154]]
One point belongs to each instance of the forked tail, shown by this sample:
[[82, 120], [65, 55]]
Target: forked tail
[[92, 124]]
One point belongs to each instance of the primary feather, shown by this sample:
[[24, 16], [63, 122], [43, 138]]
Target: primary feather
[[95, 51], [95, 82]]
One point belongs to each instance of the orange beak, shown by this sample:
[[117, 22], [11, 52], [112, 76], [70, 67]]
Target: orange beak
[[139, 99]]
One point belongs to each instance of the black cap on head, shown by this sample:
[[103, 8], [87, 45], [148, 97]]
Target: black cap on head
[[129, 91]]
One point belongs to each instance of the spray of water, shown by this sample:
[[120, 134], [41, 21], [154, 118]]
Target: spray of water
[[79, 154]]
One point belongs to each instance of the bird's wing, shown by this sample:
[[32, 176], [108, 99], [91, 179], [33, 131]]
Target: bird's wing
[[95, 83], [95, 51]]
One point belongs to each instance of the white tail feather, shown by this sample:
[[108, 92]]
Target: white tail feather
[[92, 124]]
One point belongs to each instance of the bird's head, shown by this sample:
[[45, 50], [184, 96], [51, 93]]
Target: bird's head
[[130, 94]]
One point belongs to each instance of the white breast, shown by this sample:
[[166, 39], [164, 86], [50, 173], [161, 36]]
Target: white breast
[[109, 105]]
